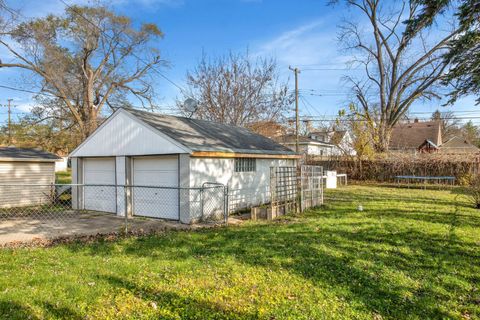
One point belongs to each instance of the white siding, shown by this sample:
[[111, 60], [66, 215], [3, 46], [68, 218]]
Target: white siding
[[40, 173], [124, 135], [61, 165], [245, 188], [315, 150]]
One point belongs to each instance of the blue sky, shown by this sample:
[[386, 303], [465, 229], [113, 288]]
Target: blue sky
[[298, 33]]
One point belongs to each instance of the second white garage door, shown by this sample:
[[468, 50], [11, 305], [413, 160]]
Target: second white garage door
[[156, 202]]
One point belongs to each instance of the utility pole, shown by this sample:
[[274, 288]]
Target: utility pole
[[297, 121], [9, 121]]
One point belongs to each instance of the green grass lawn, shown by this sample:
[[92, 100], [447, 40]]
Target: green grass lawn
[[410, 254], [63, 177]]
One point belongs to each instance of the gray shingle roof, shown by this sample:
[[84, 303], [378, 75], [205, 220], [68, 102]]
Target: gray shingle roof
[[25, 153], [201, 135]]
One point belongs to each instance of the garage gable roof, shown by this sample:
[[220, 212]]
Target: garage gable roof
[[201, 135], [13, 153]]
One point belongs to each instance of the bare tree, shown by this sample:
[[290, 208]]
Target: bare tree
[[234, 90], [85, 58], [399, 67]]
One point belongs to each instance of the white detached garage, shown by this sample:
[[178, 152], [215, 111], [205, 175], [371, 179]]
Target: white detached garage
[[139, 148]]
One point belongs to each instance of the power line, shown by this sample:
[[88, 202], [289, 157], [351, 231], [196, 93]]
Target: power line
[[28, 91], [426, 112], [330, 69], [307, 108], [361, 120], [308, 104]]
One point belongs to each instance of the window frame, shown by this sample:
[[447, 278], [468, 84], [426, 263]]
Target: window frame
[[245, 165]]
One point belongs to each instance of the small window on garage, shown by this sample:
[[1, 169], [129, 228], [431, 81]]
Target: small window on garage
[[245, 165]]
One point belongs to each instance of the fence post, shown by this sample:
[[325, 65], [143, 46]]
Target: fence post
[[302, 205], [201, 201], [321, 184], [225, 204], [126, 208]]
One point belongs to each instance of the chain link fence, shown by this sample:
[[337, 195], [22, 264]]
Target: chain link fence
[[30, 211], [243, 199]]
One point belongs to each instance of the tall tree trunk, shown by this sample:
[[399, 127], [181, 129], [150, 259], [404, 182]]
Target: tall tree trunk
[[382, 139]]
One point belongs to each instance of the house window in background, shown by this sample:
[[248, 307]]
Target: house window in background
[[245, 165]]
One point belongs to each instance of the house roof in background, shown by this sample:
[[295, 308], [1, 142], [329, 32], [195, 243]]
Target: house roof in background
[[458, 145], [26, 154], [201, 135], [412, 135]]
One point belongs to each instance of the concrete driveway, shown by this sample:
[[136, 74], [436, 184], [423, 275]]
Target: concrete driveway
[[24, 229]]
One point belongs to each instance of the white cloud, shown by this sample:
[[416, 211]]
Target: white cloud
[[311, 43], [310, 47]]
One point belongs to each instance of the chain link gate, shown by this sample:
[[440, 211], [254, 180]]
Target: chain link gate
[[214, 202]]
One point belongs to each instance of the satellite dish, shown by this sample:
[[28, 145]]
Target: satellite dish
[[190, 105]]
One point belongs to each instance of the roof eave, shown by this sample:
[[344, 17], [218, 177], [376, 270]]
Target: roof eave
[[262, 155], [11, 159]]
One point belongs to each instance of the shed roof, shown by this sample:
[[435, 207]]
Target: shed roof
[[201, 135], [26, 154]]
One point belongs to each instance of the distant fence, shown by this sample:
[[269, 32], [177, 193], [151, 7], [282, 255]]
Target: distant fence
[[385, 170]]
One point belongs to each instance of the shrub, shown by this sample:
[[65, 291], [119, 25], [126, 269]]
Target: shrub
[[473, 191], [465, 179]]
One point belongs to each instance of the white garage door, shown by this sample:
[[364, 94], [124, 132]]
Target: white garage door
[[98, 173], [155, 202]]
